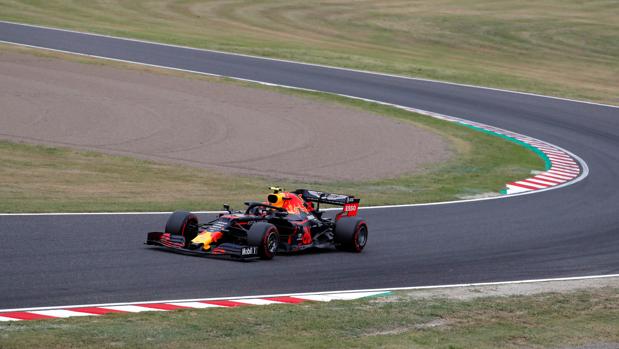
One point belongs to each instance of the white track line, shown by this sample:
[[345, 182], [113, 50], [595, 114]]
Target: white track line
[[331, 295]]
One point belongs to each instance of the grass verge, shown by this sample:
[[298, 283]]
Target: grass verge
[[548, 320], [564, 48], [46, 179]]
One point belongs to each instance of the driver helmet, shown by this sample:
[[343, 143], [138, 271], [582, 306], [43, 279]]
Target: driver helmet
[[276, 199]]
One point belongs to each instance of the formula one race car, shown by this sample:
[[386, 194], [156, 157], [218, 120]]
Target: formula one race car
[[286, 222]]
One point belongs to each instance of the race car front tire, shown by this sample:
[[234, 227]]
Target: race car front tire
[[351, 234], [183, 223], [266, 237]]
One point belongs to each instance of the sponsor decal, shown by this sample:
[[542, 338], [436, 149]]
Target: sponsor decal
[[249, 250]]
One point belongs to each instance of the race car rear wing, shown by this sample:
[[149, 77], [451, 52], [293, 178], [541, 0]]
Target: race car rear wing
[[350, 203]]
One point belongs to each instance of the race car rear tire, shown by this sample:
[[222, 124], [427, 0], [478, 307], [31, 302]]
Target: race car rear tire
[[183, 223], [351, 234], [266, 237]]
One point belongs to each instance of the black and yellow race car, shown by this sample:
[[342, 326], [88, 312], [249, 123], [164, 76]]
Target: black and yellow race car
[[287, 222]]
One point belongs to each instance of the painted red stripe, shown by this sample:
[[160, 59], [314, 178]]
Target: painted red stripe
[[162, 306], [549, 151], [562, 162], [23, 315], [541, 181], [224, 303], [523, 186], [534, 183], [556, 154], [564, 171], [563, 175], [565, 167], [555, 177], [545, 147], [560, 158], [291, 300], [95, 310], [541, 146], [554, 180]]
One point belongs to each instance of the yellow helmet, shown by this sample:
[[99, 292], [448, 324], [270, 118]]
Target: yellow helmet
[[276, 199]]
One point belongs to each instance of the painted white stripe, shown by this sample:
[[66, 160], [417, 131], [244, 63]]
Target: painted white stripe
[[560, 174], [546, 147], [540, 181], [561, 158], [549, 150], [555, 152], [338, 296], [60, 313], [197, 305], [565, 164], [514, 189], [570, 169], [132, 308], [534, 185], [256, 301], [569, 163], [317, 298], [540, 144], [573, 169], [315, 65], [565, 176], [541, 176], [3, 318], [551, 153], [557, 155], [355, 295]]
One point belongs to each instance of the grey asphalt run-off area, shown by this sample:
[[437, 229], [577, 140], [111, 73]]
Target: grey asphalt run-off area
[[572, 231]]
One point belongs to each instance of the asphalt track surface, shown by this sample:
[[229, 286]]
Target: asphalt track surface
[[572, 231]]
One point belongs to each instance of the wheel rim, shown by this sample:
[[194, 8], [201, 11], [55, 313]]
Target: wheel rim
[[272, 243], [362, 236]]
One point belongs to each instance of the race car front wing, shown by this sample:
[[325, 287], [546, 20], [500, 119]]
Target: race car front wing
[[176, 243]]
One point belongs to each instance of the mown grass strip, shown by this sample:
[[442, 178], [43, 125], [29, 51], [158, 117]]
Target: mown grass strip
[[555, 47]]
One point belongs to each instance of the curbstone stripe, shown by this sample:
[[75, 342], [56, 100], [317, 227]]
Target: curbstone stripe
[[561, 166], [98, 310]]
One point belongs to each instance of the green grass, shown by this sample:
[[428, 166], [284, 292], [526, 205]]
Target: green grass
[[566, 48], [67, 180], [549, 320], [60, 179]]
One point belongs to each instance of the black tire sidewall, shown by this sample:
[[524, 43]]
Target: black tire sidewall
[[258, 235], [177, 225], [347, 231]]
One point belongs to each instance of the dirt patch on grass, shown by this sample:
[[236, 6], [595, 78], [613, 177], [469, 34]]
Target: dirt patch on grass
[[220, 126], [519, 289]]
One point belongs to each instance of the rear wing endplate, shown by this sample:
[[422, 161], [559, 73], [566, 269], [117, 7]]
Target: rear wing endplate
[[326, 198], [350, 203]]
